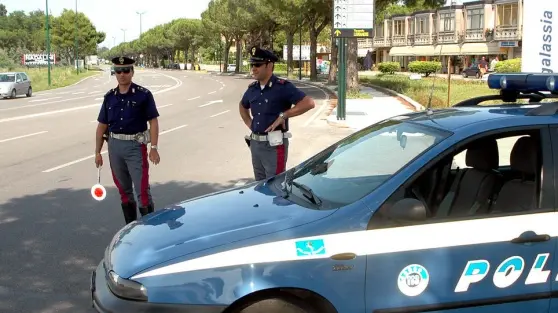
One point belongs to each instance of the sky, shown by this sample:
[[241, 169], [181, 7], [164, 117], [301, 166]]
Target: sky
[[111, 16]]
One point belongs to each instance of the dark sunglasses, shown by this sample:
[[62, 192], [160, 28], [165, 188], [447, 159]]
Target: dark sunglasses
[[256, 64], [122, 70]]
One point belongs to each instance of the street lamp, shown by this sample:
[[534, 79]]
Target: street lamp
[[124, 30], [140, 15], [47, 41]]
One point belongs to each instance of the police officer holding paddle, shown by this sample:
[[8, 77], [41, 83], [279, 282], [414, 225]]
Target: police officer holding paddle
[[123, 119], [266, 108]]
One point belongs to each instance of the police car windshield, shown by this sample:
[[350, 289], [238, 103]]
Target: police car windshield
[[360, 163]]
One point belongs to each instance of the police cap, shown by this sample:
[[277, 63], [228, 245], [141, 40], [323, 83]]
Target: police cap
[[258, 55], [122, 61]]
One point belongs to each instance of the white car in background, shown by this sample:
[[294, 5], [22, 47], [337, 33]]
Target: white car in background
[[13, 84]]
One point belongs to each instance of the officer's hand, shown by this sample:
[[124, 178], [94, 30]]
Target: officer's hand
[[278, 121], [154, 156], [98, 160]]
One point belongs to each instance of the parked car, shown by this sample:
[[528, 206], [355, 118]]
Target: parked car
[[13, 84], [381, 221], [471, 71]]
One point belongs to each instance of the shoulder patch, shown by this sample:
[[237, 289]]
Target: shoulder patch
[[140, 88]]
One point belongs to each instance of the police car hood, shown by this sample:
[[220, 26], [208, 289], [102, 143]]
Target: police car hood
[[202, 223]]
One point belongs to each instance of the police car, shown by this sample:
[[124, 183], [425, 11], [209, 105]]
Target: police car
[[381, 221]]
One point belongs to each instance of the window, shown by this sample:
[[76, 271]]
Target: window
[[422, 25], [475, 19], [447, 21], [478, 180], [380, 31], [399, 27], [507, 14], [411, 28], [363, 161]]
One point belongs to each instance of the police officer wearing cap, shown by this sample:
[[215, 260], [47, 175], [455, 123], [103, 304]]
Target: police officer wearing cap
[[123, 119], [265, 108]]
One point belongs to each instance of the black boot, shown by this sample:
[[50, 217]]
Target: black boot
[[130, 213], [146, 210]]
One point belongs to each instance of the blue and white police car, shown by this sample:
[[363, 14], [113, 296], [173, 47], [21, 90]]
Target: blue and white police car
[[450, 210]]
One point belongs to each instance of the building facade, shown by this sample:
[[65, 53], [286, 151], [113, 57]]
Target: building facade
[[464, 33]]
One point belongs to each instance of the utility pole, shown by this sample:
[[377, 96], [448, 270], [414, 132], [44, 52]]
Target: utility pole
[[76, 41], [140, 15], [300, 48], [47, 41], [124, 30], [113, 41]]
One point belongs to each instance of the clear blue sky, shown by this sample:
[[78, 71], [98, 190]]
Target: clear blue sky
[[110, 16]]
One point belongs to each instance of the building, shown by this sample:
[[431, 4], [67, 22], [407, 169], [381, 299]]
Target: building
[[465, 33]]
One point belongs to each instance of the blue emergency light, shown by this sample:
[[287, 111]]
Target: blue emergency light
[[524, 82]]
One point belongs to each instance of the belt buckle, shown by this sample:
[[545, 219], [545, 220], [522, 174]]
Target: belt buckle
[[140, 137]]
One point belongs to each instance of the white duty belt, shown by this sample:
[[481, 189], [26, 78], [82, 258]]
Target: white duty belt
[[143, 137], [264, 137]]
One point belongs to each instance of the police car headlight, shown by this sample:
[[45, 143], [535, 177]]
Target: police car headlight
[[126, 288]]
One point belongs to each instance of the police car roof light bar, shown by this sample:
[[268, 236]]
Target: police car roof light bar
[[524, 82]]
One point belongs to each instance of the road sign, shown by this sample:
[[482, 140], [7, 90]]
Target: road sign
[[353, 18]]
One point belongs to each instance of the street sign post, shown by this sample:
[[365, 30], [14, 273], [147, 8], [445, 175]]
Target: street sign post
[[351, 19]]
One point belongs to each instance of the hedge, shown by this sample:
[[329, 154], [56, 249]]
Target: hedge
[[389, 67], [508, 66], [424, 67]]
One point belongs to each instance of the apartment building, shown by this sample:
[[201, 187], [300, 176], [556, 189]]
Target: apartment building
[[465, 33]]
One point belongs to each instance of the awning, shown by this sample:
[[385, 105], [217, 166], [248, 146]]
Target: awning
[[480, 48], [447, 50], [401, 51]]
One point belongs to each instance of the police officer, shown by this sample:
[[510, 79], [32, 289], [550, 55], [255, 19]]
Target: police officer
[[265, 108], [123, 119]]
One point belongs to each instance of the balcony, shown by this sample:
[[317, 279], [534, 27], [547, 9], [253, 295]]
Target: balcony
[[447, 37], [399, 40], [424, 39], [507, 33], [475, 35], [382, 42]]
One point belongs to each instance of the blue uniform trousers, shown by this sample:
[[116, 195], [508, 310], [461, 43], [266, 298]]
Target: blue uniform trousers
[[130, 170], [268, 161]]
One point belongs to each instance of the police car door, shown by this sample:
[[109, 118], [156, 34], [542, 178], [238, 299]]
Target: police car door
[[554, 276], [492, 262]]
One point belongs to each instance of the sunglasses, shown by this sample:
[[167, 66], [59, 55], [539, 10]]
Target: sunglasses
[[256, 64], [122, 70]]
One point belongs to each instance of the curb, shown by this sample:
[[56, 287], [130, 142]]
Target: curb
[[410, 103], [78, 82]]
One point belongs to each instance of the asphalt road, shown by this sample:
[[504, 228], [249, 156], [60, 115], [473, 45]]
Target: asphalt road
[[54, 233]]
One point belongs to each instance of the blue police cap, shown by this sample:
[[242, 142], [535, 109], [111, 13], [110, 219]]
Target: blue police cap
[[122, 61], [258, 55]]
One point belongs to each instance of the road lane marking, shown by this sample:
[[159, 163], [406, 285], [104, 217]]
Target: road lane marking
[[194, 98], [24, 136], [221, 88], [92, 92], [162, 106], [44, 103], [77, 93], [103, 152], [17, 118], [211, 92], [96, 99], [47, 99], [211, 102], [220, 113], [320, 109]]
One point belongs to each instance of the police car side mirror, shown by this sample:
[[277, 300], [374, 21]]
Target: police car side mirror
[[408, 209]]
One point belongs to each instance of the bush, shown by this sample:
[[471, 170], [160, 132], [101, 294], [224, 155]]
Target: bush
[[389, 67], [508, 66], [5, 61], [424, 67]]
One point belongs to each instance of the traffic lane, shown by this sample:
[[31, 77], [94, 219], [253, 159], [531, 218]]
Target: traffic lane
[[65, 138], [64, 102]]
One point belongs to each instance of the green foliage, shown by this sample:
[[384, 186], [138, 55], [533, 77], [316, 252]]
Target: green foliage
[[389, 67], [5, 61], [424, 67], [508, 66]]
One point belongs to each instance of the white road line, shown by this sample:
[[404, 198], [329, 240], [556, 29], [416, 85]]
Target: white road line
[[17, 118], [166, 105], [321, 109], [211, 102], [44, 103], [220, 113], [194, 98], [99, 98], [24, 136], [103, 152], [92, 92], [93, 121], [221, 88], [211, 92], [77, 93], [172, 129], [47, 99]]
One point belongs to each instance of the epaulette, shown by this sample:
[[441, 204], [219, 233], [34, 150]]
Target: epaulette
[[140, 88], [252, 84], [281, 81], [109, 92]]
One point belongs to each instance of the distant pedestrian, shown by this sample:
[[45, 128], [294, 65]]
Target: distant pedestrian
[[123, 119], [270, 101]]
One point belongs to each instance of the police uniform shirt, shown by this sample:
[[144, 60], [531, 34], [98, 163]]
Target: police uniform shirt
[[268, 102], [128, 113]]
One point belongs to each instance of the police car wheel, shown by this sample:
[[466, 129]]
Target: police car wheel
[[279, 305]]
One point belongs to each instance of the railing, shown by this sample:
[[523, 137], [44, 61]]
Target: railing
[[424, 39], [475, 35], [382, 42], [399, 40], [507, 32], [447, 37]]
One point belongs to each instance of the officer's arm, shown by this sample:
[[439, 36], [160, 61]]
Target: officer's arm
[[154, 131], [102, 126], [244, 109], [303, 103], [152, 117]]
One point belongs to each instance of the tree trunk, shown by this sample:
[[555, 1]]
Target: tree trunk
[[313, 48], [352, 65], [227, 48], [290, 67], [238, 55], [332, 79]]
